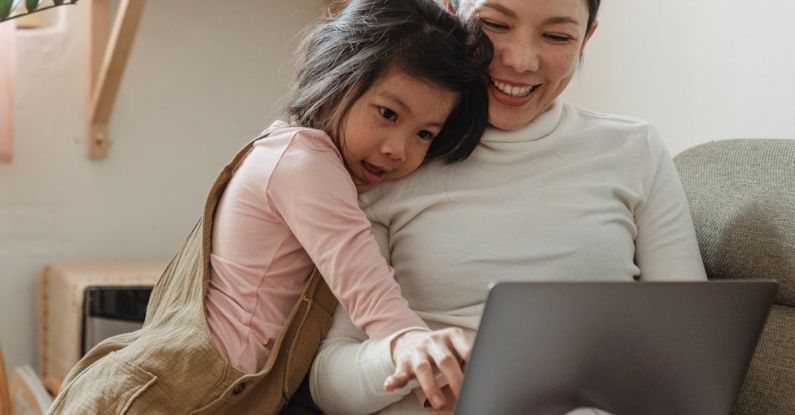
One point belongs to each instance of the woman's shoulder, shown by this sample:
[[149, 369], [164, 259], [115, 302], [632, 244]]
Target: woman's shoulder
[[429, 180], [607, 120], [635, 136], [619, 126]]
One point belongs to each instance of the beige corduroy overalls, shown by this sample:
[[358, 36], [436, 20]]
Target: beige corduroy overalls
[[171, 365]]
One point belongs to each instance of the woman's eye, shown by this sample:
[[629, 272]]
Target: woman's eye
[[490, 24], [425, 135], [387, 113], [558, 38]]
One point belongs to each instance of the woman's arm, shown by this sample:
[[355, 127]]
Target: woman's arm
[[349, 371], [348, 374], [666, 247]]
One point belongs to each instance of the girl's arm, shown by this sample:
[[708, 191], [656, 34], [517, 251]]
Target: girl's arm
[[312, 193], [666, 245], [349, 371]]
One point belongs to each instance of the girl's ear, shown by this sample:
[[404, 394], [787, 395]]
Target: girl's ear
[[448, 5]]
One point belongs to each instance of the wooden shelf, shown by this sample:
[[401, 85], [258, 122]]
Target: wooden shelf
[[107, 61]]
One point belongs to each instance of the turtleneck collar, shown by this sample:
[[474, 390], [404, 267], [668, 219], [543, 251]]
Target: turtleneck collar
[[537, 129]]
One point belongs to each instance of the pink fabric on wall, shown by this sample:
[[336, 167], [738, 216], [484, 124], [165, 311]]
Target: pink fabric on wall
[[8, 65]]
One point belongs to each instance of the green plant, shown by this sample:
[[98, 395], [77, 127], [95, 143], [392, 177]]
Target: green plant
[[33, 6]]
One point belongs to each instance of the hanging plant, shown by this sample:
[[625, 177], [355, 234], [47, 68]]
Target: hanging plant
[[7, 7]]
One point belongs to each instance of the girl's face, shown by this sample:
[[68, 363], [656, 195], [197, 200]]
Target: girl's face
[[390, 127], [537, 44]]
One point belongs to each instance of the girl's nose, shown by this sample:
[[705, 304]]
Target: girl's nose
[[394, 147], [520, 55]]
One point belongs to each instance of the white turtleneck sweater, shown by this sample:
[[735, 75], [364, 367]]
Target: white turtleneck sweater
[[575, 195]]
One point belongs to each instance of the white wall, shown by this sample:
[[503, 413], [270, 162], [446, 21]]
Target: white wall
[[203, 77], [698, 69]]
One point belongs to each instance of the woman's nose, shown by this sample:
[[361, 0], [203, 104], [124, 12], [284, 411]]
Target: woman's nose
[[521, 56]]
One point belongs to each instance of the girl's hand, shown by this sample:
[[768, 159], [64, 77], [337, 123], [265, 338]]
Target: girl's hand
[[419, 353]]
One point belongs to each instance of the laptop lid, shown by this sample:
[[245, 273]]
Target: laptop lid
[[623, 347]]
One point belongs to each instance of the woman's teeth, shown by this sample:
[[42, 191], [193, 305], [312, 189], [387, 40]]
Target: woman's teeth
[[514, 91]]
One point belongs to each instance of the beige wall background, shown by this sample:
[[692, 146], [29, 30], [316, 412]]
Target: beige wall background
[[699, 70], [202, 79], [205, 76]]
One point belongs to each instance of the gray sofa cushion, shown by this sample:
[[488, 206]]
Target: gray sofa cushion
[[770, 383], [742, 197]]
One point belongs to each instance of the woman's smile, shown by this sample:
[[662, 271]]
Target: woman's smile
[[512, 94]]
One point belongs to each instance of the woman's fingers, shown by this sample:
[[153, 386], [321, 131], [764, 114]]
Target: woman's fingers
[[462, 344], [399, 379], [423, 370], [449, 366], [419, 354]]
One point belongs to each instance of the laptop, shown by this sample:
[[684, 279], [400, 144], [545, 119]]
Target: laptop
[[622, 347]]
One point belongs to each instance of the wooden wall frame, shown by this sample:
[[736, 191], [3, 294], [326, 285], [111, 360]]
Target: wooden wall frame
[[107, 60], [5, 395]]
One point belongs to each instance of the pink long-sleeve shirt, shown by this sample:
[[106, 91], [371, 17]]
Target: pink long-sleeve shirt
[[289, 207]]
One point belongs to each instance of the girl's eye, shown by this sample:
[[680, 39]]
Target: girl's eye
[[425, 135], [387, 113], [558, 38], [490, 24]]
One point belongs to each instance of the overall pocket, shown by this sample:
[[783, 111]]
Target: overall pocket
[[109, 386]]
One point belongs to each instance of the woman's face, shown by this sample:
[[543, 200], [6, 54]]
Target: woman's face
[[537, 44]]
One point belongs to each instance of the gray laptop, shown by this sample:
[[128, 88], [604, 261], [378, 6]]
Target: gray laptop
[[623, 347]]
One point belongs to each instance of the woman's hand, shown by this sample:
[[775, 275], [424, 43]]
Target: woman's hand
[[449, 407], [419, 353]]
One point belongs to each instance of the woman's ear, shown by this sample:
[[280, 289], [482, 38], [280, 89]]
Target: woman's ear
[[448, 5], [590, 32]]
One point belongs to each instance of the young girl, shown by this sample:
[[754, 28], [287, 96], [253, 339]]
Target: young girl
[[384, 87], [371, 104]]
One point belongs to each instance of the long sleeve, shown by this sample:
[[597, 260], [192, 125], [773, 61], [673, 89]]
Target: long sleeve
[[574, 196], [315, 197], [666, 245], [349, 371]]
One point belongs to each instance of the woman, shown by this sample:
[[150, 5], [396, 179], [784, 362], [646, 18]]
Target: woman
[[552, 192]]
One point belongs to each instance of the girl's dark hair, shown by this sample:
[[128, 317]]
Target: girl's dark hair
[[343, 57]]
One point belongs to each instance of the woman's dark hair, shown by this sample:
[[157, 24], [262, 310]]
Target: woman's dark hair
[[593, 9], [343, 57]]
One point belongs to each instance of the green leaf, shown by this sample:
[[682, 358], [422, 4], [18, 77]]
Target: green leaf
[[6, 7], [32, 5]]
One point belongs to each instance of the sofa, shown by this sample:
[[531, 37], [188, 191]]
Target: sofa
[[742, 198]]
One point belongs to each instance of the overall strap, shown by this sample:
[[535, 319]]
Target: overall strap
[[212, 203], [183, 285]]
